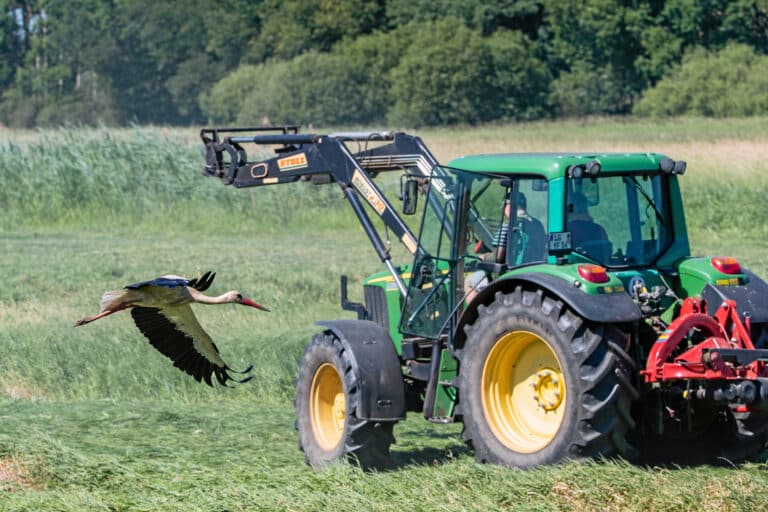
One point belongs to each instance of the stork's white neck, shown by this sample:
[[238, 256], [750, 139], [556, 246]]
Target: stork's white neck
[[200, 298]]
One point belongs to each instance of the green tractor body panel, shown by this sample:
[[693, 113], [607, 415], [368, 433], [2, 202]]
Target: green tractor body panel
[[696, 273], [386, 283], [570, 274], [445, 400]]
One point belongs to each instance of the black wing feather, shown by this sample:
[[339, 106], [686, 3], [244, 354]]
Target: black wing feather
[[176, 345], [203, 282]]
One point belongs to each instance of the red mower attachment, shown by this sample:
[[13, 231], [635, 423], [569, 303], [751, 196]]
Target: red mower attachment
[[725, 353]]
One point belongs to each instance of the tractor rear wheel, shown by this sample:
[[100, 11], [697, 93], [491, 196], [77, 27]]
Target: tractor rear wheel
[[327, 394], [538, 384]]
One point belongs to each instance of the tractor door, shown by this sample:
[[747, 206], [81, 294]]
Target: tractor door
[[434, 288]]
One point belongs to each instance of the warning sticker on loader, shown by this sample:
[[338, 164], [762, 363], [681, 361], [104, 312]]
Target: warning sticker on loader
[[292, 162], [368, 192]]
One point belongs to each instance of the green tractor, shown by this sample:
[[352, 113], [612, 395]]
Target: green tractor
[[552, 306]]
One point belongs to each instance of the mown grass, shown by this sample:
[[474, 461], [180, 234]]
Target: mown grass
[[94, 419], [160, 455]]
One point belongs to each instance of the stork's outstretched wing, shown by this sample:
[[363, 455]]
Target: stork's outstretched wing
[[176, 333]]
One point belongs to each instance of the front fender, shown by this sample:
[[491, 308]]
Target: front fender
[[377, 366]]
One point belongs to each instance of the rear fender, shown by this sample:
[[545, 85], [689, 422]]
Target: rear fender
[[614, 308], [751, 298], [377, 365]]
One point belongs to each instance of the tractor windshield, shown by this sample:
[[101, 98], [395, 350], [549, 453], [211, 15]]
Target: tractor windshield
[[619, 220]]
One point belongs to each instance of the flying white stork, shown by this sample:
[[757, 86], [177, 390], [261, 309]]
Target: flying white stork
[[161, 310]]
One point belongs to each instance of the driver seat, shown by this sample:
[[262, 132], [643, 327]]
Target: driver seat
[[590, 238]]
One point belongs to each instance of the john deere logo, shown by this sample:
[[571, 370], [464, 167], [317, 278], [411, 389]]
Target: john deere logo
[[292, 162]]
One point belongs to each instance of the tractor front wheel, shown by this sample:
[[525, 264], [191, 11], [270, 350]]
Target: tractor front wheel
[[538, 384], [327, 394]]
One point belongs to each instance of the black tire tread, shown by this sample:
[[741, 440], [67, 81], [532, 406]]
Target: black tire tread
[[605, 374], [365, 442]]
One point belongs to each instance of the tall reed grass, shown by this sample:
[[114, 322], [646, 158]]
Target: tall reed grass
[[149, 179], [143, 178]]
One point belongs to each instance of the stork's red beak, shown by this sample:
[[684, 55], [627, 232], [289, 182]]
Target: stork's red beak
[[249, 302]]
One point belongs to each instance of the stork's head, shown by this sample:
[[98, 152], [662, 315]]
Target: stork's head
[[238, 298]]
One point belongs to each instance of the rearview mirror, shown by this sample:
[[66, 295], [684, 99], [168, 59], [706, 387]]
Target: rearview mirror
[[409, 193]]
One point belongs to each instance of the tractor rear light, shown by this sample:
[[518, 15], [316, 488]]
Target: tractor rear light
[[593, 273], [726, 265]]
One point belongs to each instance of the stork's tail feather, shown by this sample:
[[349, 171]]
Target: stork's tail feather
[[111, 300]]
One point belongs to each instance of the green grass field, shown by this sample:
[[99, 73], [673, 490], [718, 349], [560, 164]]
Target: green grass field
[[94, 418]]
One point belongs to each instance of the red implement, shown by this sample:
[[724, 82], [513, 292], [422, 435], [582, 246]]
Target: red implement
[[726, 352]]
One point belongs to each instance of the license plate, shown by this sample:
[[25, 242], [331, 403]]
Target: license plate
[[558, 242]]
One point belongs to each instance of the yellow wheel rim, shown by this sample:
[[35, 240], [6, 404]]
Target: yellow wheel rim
[[327, 407], [523, 391]]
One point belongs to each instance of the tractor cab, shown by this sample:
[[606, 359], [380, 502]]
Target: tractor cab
[[574, 217]]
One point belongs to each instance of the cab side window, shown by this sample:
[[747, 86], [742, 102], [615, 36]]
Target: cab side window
[[527, 212]]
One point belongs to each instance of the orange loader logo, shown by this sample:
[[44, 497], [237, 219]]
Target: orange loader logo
[[292, 162]]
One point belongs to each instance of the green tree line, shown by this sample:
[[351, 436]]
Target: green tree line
[[408, 62]]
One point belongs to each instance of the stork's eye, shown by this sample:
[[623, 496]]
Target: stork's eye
[[239, 296]]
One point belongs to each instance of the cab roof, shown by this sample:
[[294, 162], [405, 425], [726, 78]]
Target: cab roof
[[554, 165]]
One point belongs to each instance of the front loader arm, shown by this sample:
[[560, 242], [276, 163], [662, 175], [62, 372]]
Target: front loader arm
[[324, 159]]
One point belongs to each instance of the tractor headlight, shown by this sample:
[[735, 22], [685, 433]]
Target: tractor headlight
[[592, 168], [667, 165], [575, 171]]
